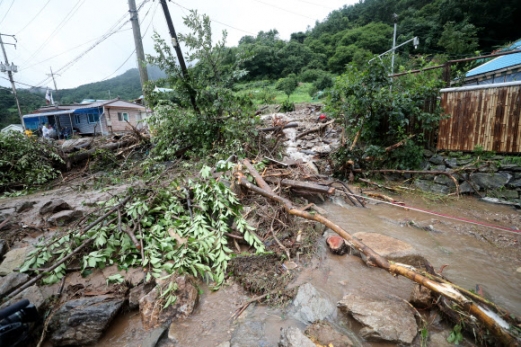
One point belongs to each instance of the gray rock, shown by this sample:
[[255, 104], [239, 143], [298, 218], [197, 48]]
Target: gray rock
[[490, 180], [76, 144], [54, 206], [3, 248], [430, 186], [514, 183], [451, 162], [441, 167], [293, 337], [13, 259], [82, 321], [421, 297], [24, 206], [466, 188], [153, 314], [137, 293], [249, 334], [64, 217], [152, 337], [309, 305], [391, 248], [463, 162], [383, 320], [436, 159], [427, 153], [488, 168], [444, 180], [325, 334], [503, 193], [506, 166], [12, 281], [224, 344]]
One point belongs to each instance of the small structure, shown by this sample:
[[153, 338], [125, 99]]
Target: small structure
[[506, 68], [13, 127], [98, 117]]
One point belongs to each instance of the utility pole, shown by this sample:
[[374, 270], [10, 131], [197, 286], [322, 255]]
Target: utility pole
[[134, 19], [395, 17], [177, 48], [55, 87], [10, 69]]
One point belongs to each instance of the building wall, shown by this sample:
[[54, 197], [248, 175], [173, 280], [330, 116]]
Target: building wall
[[114, 124], [486, 116]]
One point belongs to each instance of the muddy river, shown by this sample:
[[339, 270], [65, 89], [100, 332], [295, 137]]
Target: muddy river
[[475, 255]]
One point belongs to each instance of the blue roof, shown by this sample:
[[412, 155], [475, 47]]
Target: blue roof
[[499, 62]]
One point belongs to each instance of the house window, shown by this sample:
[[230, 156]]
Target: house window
[[123, 116], [93, 117], [77, 119]]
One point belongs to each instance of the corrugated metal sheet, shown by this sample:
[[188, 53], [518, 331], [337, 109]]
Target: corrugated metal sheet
[[499, 62], [481, 116]]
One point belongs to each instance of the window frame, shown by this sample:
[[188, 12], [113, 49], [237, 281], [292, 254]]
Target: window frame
[[93, 114]]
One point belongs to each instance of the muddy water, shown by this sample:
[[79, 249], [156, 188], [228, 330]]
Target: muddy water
[[471, 253]]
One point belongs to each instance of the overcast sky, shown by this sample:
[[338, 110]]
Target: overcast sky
[[59, 33]]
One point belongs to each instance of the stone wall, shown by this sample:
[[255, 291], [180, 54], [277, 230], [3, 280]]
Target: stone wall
[[493, 176]]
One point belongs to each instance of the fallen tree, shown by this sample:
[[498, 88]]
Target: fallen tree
[[501, 324]]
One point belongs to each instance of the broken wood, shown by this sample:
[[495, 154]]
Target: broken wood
[[383, 197], [337, 245], [306, 186], [83, 155], [74, 252], [314, 130], [276, 128], [377, 185], [399, 144], [372, 258]]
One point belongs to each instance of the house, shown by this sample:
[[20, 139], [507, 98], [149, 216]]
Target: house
[[97, 117], [13, 127], [506, 68]]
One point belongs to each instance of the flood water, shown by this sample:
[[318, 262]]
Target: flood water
[[470, 251]]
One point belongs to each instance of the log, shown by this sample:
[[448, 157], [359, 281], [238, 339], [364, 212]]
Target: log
[[290, 125], [372, 258], [314, 130], [399, 144], [337, 245], [81, 156], [308, 186]]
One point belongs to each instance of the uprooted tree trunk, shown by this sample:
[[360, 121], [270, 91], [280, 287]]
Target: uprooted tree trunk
[[499, 327]]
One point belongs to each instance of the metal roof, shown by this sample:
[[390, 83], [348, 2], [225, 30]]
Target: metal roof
[[55, 113], [499, 62]]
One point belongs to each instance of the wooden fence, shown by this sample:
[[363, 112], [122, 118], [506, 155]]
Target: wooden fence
[[483, 115]]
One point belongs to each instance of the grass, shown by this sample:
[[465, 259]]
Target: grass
[[264, 92]]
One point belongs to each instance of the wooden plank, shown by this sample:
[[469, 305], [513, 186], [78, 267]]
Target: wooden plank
[[516, 126]]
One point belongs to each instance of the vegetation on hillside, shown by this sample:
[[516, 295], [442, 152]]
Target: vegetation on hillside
[[8, 110]]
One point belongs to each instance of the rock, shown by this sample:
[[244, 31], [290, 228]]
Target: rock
[[466, 188], [249, 334], [451, 162], [391, 248], [224, 344], [421, 297], [152, 312], [325, 334], [3, 248], [13, 259], [64, 217], [488, 167], [515, 183], [439, 339], [429, 186], [152, 337], [137, 293], [54, 206], [82, 321], [441, 167], [503, 193], [312, 167], [24, 206], [463, 162], [337, 244], [33, 294], [76, 144], [519, 270], [427, 153], [309, 305], [444, 180], [490, 180], [383, 320], [12, 281], [293, 337], [436, 159]]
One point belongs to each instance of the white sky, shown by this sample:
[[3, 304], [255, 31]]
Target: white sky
[[53, 33]]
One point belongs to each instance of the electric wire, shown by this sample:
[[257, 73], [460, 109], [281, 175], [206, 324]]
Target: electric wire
[[9, 9], [32, 19], [69, 15]]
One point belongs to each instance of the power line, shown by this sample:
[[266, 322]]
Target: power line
[[69, 15], [9, 9], [32, 20]]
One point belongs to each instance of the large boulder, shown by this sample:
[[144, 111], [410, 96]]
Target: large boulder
[[153, 313], [310, 305], [32, 293], [293, 337], [13, 259], [490, 180], [383, 320], [54, 206], [11, 282], [430, 186], [64, 217], [82, 321], [391, 248]]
